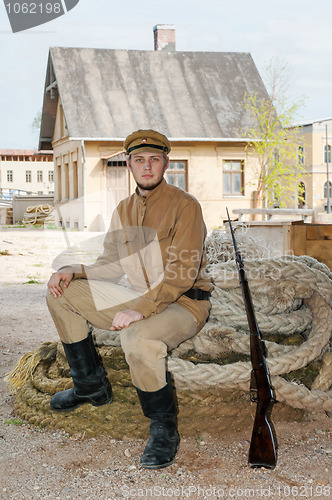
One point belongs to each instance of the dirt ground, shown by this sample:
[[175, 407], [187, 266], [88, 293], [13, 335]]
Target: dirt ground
[[38, 463]]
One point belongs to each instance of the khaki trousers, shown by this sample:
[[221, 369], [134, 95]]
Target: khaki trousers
[[145, 343]]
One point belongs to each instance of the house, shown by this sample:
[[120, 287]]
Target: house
[[25, 172], [94, 98], [315, 155]]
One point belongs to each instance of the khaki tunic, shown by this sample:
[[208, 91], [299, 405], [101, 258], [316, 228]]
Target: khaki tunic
[[157, 241]]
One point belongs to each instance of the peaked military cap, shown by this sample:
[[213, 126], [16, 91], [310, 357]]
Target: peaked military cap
[[146, 140]]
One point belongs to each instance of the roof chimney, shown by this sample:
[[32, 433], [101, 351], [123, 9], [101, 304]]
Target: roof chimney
[[164, 37]]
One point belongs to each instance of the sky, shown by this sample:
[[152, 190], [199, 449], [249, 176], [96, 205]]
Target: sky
[[296, 32]]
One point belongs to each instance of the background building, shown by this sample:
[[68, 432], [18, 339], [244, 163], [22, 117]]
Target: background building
[[315, 154], [25, 172]]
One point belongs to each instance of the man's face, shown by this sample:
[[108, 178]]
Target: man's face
[[148, 169]]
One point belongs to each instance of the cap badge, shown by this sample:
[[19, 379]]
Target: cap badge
[[144, 141]]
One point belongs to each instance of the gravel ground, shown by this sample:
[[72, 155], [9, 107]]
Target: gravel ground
[[37, 463]]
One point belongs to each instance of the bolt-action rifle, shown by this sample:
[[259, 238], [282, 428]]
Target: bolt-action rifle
[[262, 451]]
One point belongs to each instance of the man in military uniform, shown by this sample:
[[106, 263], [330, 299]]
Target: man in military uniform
[[156, 239]]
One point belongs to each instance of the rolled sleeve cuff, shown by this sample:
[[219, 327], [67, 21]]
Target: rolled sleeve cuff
[[145, 306]]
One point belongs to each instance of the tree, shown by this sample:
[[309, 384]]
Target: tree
[[35, 125], [274, 139]]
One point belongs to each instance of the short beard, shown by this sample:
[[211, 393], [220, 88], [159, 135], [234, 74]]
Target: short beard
[[149, 188]]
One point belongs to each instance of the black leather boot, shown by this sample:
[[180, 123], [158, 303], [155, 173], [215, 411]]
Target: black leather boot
[[90, 382], [164, 439]]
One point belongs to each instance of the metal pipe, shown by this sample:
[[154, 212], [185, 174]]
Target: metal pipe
[[84, 183], [327, 151]]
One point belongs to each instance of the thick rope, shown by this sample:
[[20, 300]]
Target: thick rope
[[37, 214], [291, 295], [188, 374], [237, 375], [292, 298]]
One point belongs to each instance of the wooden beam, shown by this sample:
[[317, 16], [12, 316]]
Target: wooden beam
[[52, 86]]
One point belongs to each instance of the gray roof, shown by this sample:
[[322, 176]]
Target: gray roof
[[106, 93]]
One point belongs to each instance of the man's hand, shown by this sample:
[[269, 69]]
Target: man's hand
[[123, 319], [65, 275]]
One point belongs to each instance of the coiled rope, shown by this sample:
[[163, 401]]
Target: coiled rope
[[38, 214], [292, 297]]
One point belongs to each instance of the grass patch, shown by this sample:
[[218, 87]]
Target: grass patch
[[32, 279], [14, 421]]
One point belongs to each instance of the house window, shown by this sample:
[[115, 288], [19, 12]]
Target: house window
[[330, 190], [75, 179], [176, 174], [66, 172], [50, 176], [301, 195], [39, 176], [300, 155], [233, 171], [117, 163], [9, 176], [59, 193], [327, 153], [277, 195], [28, 176]]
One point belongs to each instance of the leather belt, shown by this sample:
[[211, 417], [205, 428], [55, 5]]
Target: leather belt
[[198, 294]]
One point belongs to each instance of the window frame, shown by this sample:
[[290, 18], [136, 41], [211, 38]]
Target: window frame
[[301, 192], [325, 187], [301, 155], [177, 172], [327, 150], [233, 193]]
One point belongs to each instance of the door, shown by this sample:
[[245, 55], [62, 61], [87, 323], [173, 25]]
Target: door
[[118, 183]]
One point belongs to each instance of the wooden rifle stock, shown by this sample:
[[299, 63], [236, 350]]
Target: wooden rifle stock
[[262, 451]]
